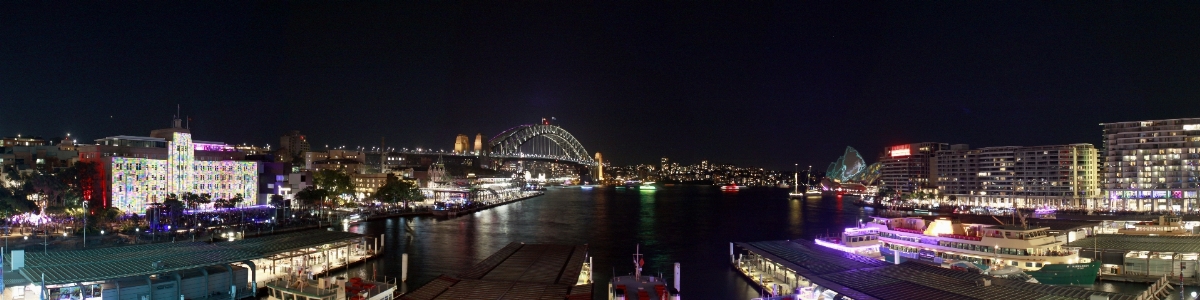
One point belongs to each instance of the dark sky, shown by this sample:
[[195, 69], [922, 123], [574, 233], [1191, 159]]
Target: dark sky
[[755, 83]]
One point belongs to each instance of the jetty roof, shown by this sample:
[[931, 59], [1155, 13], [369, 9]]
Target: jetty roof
[[517, 271], [861, 277], [139, 260], [1177, 244]]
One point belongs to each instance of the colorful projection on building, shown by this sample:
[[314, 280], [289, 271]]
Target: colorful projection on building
[[136, 182]]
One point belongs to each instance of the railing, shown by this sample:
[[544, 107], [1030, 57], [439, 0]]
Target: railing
[[960, 237]]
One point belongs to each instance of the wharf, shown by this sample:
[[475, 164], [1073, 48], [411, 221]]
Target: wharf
[[517, 271], [811, 270], [187, 269]]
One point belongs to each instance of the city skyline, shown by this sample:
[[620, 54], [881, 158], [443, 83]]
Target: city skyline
[[767, 85]]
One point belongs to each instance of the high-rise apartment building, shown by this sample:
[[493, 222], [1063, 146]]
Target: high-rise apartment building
[[957, 170], [907, 168], [1152, 165], [1053, 174], [292, 145]]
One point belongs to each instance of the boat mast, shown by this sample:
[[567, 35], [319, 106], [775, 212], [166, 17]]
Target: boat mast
[[637, 263]]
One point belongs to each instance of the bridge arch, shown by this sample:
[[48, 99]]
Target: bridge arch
[[508, 143]]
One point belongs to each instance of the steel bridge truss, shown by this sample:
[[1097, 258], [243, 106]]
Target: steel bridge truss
[[508, 143]]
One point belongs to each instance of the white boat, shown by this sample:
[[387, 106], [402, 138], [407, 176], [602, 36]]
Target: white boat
[[861, 241], [638, 287], [942, 241]]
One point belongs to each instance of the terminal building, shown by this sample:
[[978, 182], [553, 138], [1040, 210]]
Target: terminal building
[[1152, 165], [134, 171]]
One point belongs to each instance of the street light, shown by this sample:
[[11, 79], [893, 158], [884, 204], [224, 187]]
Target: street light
[[86, 213]]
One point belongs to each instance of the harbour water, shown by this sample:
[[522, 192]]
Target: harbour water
[[692, 225]]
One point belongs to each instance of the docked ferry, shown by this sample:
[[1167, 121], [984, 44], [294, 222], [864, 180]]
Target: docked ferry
[[330, 289], [944, 241]]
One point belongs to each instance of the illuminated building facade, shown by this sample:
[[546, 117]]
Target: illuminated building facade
[[136, 171], [1020, 175], [1152, 165], [907, 168]]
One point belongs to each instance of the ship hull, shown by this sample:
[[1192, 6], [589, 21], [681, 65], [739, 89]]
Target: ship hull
[[1067, 273]]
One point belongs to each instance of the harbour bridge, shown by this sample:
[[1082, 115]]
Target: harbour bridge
[[536, 142]]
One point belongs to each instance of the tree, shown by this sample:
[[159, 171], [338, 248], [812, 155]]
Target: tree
[[237, 199], [399, 191], [311, 196], [173, 206], [277, 201], [336, 184]]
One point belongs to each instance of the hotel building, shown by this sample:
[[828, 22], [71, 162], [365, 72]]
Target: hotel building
[[136, 171], [1152, 165], [907, 168]]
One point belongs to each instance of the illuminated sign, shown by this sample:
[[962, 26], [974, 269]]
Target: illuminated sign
[[212, 147], [900, 151], [1191, 127]]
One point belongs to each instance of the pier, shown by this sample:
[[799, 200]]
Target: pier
[[518, 271], [193, 270], [809, 271]]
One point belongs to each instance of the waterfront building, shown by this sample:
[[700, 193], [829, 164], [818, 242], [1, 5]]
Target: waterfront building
[[907, 168], [1152, 165], [43, 157], [22, 141], [957, 170], [1152, 255], [1016, 175], [135, 171]]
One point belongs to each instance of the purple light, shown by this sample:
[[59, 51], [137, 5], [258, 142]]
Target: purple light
[[844, 248], [212, 147]]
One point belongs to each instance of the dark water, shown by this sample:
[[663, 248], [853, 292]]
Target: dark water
[[692, 225]]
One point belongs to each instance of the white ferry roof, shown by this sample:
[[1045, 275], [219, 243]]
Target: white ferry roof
[[1123, 242]]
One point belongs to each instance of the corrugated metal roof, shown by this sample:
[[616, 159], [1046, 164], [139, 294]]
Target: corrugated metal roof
[[137, 260], [1178, 244], [862, 277]]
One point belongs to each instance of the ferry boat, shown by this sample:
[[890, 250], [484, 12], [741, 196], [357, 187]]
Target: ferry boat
[[1165, 225], [861, 241], [637, 287], [943, 241], [330, 289], [1067, 273], [649, 185]]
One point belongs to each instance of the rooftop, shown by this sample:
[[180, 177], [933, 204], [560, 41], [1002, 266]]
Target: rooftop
[[861, 277], [1177, 244], [138, 260], [517, 271]]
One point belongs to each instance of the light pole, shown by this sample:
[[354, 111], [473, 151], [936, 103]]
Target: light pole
[[86, 213]]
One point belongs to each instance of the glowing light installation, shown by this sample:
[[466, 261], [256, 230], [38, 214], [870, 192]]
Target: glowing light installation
[[846, 166], [137, 182]]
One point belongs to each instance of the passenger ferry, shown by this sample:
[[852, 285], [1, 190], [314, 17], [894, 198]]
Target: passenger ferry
[[943, 241], [637, 287], [861, 241], [732, 187]]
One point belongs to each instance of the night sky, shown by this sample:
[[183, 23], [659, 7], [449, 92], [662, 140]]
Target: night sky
[[751, 83]]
